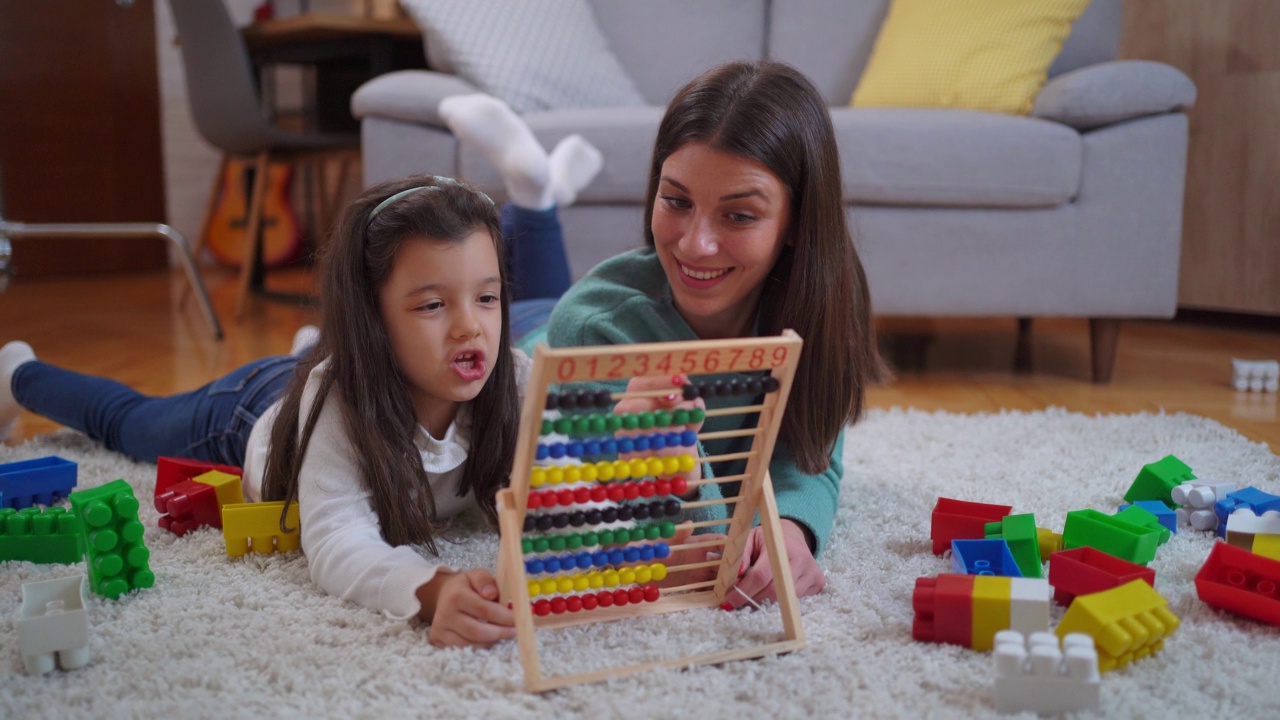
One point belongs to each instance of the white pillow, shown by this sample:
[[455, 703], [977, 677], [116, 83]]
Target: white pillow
[[534, 54]]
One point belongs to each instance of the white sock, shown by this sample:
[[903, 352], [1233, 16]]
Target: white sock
[[490, 125], [305, 339], [12, 355], [574, 163]]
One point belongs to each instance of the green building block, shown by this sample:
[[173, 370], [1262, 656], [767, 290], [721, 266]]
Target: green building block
[[1019, 531], [1110, 534], [1157, 480], [1136, 515], [40, 536], [117, 559]]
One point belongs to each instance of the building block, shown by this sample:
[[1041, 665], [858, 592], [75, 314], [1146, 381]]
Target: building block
[[1197, 498], [1090, 528], [46, 536], [1086, 570], [117, 559], [962, 520], [42, 481], [969, 610], [227, 486], [1251, 497], [1244, 528], [1128, 622], [983, 557], [1167, 518], [1157, 480], [188, 505], [53, 623], [1140, 516], [1268, 546], [1036, 675], [256, 526], [1050, 542], [1019, 531], [1255, 375], [172, 470], [1238, 581]]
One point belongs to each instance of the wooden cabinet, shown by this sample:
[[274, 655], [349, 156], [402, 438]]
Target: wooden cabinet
[[1231, 225]]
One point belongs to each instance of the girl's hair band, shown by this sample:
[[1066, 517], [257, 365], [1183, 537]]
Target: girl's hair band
[[440, 181]]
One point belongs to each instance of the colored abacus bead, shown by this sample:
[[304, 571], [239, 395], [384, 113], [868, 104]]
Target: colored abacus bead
[[620, 597], [668, 529], [651, 593], [542, 608], [627, 576], [603, 398], [661, 551], [604, 598], [558, 605], [641, 512], [534, 502], [612, 423], [625, 513], [577, 518], [593, 517], [647, 490], [573, 604], [551, 564], [672, 507], [556, 542], [559, 521], [557, 450], [690, 392], [564, 497], [526, 545], [652, 532], [591, 602], [688, 438], [616, 556], [573, 542], [636, 594], [646, 553], [631, 554], [553, 402], [542, 452], [659, 572], [591, 448], [533, 567], [646, 420], [599, 558], [662, 487], [529, 523], [771, 384], [575, 449], [626, 445], [679, 486], [616, 493], [581, 495], [540, 544], [609, 515], [631, 490], [599, 493], [641, 444]]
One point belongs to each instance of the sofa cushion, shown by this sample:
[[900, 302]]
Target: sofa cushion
[[958, 158], [991, 55], [534, 54], [827, 40]]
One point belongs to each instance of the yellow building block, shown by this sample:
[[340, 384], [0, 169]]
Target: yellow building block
[[225, 485], [990, 609], [1127, 622], [1050, 542], [1267, 546], [256, 526]]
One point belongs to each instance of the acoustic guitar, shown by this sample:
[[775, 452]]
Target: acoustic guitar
[[282, 239]]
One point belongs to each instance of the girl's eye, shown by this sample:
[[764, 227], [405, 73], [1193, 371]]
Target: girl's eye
[[675, 203], [489, 299], [431, 305]]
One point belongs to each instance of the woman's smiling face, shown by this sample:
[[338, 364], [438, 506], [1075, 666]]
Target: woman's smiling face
[[718, 226]]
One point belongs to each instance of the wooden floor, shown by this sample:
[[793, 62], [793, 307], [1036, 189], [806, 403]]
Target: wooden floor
[[131, 329]]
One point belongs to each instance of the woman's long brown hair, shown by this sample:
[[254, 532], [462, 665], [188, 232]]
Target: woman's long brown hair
[[362, 374], [768, 112]]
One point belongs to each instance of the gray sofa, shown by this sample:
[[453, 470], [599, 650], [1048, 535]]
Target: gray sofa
[[1073, 211]]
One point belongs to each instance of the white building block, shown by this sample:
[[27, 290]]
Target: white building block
[[1029, 603], [1256, 375], [1197, 498], [1243, 525], [1037, 675], [53, 621]]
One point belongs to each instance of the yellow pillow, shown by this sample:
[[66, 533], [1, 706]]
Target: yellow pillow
[[975, 54]]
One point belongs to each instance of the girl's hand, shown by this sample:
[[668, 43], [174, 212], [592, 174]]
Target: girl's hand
[[464, 610], [757, 581]]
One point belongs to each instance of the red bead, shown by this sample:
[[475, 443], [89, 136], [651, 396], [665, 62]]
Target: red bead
[[535, 501], [647, 489], [581, 495], [616, 493], [557, 605], [662, 487], [651, 593], [679, 486], [573, 603], [605, 598], [620, 597], [599, 493], [590, 601], [632, 490], [565, 497], [636, 594], [542, 608]]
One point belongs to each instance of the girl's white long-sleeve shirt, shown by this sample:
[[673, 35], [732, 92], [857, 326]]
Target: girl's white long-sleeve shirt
[[340, 533]]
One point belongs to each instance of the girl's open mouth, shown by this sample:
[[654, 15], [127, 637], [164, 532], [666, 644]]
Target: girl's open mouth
[[469, 365]]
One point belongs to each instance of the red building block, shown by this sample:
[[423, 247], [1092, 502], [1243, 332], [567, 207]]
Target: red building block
[[188, 505], [962, 520], [1085, 570], [947, 596], [170, 471], [1241, 582]]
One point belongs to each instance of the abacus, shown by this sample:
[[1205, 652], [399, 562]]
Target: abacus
[[581, 574]]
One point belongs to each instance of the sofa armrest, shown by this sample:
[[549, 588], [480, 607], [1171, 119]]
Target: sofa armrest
[[408, 95], [1111, 92]]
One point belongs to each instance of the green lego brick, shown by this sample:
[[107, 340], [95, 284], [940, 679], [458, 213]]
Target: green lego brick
[[40, 536], [1145, 518], [117, 559], [1090, 528], [1019, 531], [1157, 480]]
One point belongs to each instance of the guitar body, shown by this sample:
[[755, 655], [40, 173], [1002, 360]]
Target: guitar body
[[281, 231]]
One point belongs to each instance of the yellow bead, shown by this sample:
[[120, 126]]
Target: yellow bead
[[604, 471], [611, 578], [627, 576], [639, 468], [555, 476], [589, 473], [659, 571], [643, 574], [573, 474], [580, 582], [538, 478], [548, 586], [564, 584], [687, 463], [535, 588], [621, 469], [670, 465], [655, 466], [596, 580]]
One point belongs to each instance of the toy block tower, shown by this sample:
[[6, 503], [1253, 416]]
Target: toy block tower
[[118, 561], [969, 610]]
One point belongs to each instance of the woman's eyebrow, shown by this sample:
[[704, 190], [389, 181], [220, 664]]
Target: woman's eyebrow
[[732, 196]]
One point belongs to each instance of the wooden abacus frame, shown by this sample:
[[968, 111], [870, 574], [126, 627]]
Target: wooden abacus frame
[[778, 355]]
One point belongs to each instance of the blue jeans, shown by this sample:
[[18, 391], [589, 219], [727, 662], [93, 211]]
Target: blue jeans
[[212, 423]]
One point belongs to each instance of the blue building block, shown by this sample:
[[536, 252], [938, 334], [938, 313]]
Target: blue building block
[[1251, 498], [1167, 517], [983, 557], [42, 481]]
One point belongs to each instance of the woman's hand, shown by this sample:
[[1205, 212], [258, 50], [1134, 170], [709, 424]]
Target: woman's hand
[[756, 582], [463, 610]]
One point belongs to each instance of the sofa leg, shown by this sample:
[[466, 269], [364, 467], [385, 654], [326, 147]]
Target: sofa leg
[[1022, 348], [1104, 336]]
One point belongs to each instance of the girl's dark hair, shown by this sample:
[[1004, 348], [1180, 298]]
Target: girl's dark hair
[[770, 113], [363, 375]]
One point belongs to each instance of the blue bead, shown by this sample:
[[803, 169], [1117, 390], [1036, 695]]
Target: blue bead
[[658, 442], [609, 447], [584, 560], [542, 452], [688, 438], [642, 443], [575, 449], [615, 556], [557, 450], [600, 558], [533, 567], [568, 562], [661, 550], [646, 553], [631, 554], [673, 439], [551, 564], [592, 447], [626, 445]]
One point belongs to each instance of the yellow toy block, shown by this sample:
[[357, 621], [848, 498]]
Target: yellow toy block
[[1267, 546], [1001, 603], [1050, 542], [225, 485], [256, 526], [1127, 622]]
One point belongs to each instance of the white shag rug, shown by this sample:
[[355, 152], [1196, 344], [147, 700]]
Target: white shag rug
[[255, 637]]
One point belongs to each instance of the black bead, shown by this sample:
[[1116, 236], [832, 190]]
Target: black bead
[[737, 387], [553, 401], [625, 512], [706, 390], [641, 512], [672, 507], [718, 388], [543, 522], [560, 520], [609, 514], [576, 518], [658, 508], [690, 392], [586, 399], [528, 523], [755, 386], [604, 399], [593, 517], [771, 384]]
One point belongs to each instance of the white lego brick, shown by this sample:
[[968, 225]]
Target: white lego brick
[[1202, 493], [1244, 522], [1255, 375], [53, 622], [1029, 602], [1037, 675]]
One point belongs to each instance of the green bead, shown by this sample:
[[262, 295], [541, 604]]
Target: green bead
[[590, 538], [637, 534], [680, 417], [540, 544], [596, 424], [526, 546], [668, 529], [662, 418], [573, 542], [580, 425], [557, 542], [697, 415], [630, 421], [612, 423], [646, 421], [564, 425], [652, 532], [606, 537], [547, 427]]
